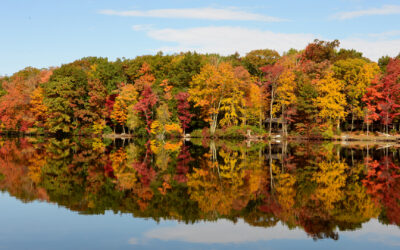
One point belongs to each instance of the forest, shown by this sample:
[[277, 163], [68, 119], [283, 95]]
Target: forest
[[320, 91]]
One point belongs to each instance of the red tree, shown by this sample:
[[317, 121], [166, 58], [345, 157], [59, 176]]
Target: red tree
[[145, 106], [272, 74], [15, 112], [183, 106], [383, 97]]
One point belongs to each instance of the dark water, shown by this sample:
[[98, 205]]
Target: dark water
[[89, 194]]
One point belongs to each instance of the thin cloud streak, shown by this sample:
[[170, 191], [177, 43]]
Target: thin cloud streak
[[196, 13], [384, 10], [210, 233], [386, 34], [227, 40], [240, 232]]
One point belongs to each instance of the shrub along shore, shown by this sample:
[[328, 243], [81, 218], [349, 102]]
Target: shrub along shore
[[321, 92]]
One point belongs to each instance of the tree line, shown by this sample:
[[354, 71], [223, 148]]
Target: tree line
[[318, 91]]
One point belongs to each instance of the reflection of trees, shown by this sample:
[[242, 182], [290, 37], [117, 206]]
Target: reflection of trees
[[321, 194], [20, 170], [330, 180], [308, 186], [70, 175], [220, 187], [383, 184], [182, 165]]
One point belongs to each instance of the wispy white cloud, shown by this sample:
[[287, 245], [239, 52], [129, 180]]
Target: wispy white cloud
[[228, 40], [384, 10], [373, 49], [210, 232], [196, 13], [240, 232], [374, 231], [141, 27], [133, 241], [386, 34]]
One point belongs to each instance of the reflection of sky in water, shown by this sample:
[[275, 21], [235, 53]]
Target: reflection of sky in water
[[45, 226]]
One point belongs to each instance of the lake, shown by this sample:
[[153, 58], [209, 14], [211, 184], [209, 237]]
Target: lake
[[80, 193]]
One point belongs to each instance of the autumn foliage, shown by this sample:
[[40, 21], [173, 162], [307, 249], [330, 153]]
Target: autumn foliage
[[316, 92]]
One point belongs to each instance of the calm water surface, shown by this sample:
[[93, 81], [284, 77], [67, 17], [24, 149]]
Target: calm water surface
[[90, 194]]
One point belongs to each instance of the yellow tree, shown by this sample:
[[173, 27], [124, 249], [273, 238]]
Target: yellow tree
[[210, 89], [163, 124], [123, 103], [357, 75], [331, 101], [38, 108], [232, 107], [255, 105], [286, 95], [246, 98]]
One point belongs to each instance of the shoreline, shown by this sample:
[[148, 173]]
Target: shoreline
[[275, 137], [278, 137]]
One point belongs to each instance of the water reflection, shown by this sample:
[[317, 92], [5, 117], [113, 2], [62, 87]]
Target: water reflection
[[318, 188]]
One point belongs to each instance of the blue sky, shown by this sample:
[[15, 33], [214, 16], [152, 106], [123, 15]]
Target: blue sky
[[43, 33]]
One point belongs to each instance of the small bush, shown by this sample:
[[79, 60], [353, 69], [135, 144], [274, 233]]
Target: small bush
[[327, 132], [196, 133], [232, 132], [107, 130], [107, 141]]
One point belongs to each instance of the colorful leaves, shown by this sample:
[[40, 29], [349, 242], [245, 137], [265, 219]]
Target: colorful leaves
[[183, 108], [127, 98], [331, 101]]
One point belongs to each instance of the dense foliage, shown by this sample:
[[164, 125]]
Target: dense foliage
[[318, 91]]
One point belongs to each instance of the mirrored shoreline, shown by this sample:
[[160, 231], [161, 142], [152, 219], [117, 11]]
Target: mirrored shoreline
[[320, 190]]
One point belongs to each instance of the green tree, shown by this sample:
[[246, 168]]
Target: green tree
[[256, 59]]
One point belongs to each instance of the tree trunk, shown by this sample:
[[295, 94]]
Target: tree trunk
[[214, 118], [387, 123], [213, 151], [283, 121], [362, 127], [270, 113], [270, 167], [367, 161], [213, 126]]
